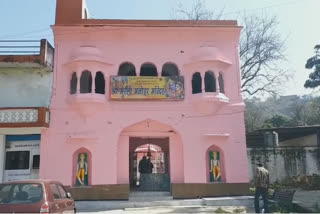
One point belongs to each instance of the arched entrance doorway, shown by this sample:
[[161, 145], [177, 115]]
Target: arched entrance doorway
[[134, 143], [149, 164]]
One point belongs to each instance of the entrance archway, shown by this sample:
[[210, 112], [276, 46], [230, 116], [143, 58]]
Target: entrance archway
[[149, 164], [144, 133]]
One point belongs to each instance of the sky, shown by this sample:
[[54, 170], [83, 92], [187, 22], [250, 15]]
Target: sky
[[298, 23]]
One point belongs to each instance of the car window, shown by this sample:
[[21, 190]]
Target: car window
[[4, 193], [62, 191], [55, 191], [20, 193]]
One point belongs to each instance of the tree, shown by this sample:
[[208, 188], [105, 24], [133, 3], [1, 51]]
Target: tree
[[254, 115], [261, 49], [314, 63], [198, 11], [299, 111], [313, 112], [283, 111], [276, 121]]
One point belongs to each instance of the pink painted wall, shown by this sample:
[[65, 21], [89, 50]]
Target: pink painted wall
[[104, 127]]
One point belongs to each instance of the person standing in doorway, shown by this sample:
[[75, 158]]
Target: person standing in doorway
[[262, 186], [143, 165], [149, 165]]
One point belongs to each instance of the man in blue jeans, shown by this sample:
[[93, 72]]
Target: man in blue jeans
[[262, 186]]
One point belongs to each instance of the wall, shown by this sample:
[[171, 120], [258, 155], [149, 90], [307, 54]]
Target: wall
[[95, 122], [25, 87], [285, 161], [310, 140]]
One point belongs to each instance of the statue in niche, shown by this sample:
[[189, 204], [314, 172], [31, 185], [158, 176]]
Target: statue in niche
[[215, 167], [82, 170]]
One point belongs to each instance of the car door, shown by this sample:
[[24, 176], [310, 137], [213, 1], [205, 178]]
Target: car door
[[58, 205], [68, 202]]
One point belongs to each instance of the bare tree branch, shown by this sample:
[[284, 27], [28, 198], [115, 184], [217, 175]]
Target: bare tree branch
[[198, 11], [261, 49], [261, 52]]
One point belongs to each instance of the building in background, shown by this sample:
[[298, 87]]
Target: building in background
[[285, 152], [25, 91], [124, 89]]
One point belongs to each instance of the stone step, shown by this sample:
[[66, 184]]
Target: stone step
[[85, 206], [151, 198], [230, 201], [148, 193]]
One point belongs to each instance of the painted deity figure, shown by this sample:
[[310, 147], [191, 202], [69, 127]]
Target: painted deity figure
[[215, 167], [82, 170]]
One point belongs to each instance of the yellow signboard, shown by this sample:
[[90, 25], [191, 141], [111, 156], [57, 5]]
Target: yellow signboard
[[144, 87]]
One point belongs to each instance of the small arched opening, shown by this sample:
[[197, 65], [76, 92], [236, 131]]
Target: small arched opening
[[127, 69], [210, 82], [86, 82], [99, 83], [73, 83], [196, 83], [169, 69], [148, 69]]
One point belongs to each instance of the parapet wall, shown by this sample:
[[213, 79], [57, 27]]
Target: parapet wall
[[285, 162]]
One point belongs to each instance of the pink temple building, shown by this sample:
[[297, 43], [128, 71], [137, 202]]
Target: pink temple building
[[125, 89]]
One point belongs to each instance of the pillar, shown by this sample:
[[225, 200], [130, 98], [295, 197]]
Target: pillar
[[93, 89], [78, 72], [216, 76]]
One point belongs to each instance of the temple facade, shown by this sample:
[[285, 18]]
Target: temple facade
[[145, 105]]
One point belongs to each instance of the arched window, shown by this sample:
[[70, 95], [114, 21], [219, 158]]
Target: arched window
[[221, 83], [210, 82], [100, 83], [215, 165], [127, 69], [82, 167], [86, 82], [73, 83], [148, 69], [196, 83], [169, 69]]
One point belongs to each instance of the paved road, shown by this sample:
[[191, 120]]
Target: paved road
[[309, 200]]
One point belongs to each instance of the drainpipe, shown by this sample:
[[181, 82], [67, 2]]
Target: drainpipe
[[2, 155], [318, 138]]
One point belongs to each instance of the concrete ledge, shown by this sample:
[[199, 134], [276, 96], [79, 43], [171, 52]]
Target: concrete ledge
[[100, 192], [209, 190], [247, 201], [91, 206], [86, 206], [178, 191]]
